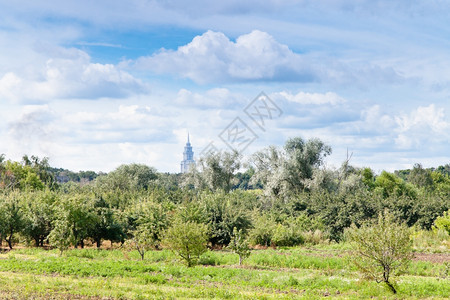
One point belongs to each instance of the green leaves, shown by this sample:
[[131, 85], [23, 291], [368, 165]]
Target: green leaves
[[382, 249], [61, 236], [443, 222], [187, 239], [132, 177], [239, 245], [11, 216]]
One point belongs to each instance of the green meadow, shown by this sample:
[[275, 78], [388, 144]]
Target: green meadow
[[312, 272]]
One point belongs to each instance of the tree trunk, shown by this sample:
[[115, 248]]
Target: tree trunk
[[82, 243], [240, 260], [391, 287], [9, 240], [386, 273], [99, 243]]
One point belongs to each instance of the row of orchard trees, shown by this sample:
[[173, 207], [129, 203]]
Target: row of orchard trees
[[285, 197], [64, 218], [74, 216]]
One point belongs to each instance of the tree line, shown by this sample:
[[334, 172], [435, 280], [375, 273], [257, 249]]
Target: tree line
[[281, 196]]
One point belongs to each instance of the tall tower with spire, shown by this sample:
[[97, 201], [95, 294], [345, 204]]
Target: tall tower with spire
[[188, 157]]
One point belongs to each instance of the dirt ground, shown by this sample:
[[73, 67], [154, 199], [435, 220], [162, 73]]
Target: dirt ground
[[432, 257]]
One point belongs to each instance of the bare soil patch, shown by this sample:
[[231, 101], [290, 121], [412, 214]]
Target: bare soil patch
[[432, 257]]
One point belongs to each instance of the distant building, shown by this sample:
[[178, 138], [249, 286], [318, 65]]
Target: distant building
[[188, 158]]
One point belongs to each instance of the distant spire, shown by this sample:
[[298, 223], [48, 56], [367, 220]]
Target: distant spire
[[188, 157]]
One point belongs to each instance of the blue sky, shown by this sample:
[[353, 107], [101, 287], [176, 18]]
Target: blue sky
[[95, 84]]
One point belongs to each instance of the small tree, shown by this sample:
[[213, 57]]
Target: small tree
[[12, 217], [382, 249], [154, 220], [143, 240], [187, 239], [61, 235], [239, 245]]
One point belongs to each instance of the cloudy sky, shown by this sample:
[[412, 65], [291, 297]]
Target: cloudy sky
[[95, 84]]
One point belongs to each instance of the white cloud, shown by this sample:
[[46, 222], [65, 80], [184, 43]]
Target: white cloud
[[213, 98], [309, 45], [70, 75], [374, 119], [127, 124], [34, 129], [257, 57], [426, 126], [423, 132], [88, 139], [10, 85], [312, 98], [380, 138], [213, 57]]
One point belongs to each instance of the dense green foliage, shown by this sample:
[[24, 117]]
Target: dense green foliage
[[284, 197], [281, 197], [443, 222], [188, 239]]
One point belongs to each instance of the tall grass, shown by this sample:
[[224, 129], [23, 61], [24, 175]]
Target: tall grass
[[434, 241]]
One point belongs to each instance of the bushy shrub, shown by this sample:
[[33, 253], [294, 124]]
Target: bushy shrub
[[382, 249], [315, 237], [223, 215], [187, 239], [263, 230], [443, 222], [287, 235]]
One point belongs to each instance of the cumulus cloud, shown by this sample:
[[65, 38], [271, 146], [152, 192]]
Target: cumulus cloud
[[312, 98], [68, 76], [89, 139], [423, 130], [33, 130], [210, 99], [214, 57], [127, 124], [375, 121], [377, 136], [424, 126], [307, 111]]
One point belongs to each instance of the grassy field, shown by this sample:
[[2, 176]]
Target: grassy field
[[304, 272]]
